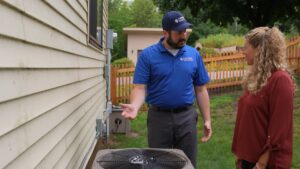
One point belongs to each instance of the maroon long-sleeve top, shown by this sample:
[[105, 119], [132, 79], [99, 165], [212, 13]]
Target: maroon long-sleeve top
[[265, 122]]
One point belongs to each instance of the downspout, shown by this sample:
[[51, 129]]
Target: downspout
[[109, 46]]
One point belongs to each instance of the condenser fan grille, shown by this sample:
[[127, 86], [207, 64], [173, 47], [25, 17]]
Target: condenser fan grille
[[142, 159]]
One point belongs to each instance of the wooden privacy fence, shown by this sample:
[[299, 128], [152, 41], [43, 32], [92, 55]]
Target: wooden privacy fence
[[121, 83], [293, 53], [226, 70]]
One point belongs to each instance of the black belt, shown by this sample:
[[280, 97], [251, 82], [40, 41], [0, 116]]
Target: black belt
[[173, 110]]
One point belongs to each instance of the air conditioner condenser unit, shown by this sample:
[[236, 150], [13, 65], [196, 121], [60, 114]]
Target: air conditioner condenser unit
[[147, 158]]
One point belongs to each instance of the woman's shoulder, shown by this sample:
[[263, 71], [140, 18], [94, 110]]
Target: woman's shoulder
[[281, 77], [280, 74]]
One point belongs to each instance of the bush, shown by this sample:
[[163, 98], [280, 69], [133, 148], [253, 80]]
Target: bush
[[236, 28], [207, 51], [293, 32], [222, 40], [204, 29], [121, 61]]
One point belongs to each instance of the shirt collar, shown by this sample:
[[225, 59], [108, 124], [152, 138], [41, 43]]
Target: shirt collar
[[163, 49]]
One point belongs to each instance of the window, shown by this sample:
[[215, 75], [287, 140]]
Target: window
[[96, 23]]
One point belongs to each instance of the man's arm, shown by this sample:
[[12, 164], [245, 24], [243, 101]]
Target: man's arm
[[136, 101], [262, 162], [204, 107]]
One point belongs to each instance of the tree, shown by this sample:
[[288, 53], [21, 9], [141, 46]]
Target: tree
[[118, 18], [252, 13], [141, 13], [203, 29], [145, 14]]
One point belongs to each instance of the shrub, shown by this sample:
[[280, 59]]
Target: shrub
[[122, 61], [207, 51], [222, 40]]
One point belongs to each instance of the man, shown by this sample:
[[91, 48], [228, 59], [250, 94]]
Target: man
[[168, 73]]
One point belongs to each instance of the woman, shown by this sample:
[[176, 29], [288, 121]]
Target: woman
[[263, 135]]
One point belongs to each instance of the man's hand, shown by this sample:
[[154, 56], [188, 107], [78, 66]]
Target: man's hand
[[263, 160], [259, 166], [207, 131], [129, 111], [137, 98], [203, 103]]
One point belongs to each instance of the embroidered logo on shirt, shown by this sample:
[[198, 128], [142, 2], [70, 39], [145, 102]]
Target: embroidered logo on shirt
[[187, 59]]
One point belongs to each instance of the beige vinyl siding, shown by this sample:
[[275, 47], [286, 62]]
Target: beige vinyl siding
[[26, 28], [40, 57], [50, 17], [105, 21], [83, 3], [67, 12], [78, 9], [51, 84]]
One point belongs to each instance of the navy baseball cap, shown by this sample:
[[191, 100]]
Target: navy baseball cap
[[174, 20]]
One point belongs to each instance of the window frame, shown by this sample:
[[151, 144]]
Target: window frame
[[93, 27]]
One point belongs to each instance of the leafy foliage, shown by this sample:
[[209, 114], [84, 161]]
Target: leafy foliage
[[222, 40], [251, 13], [141, 13]]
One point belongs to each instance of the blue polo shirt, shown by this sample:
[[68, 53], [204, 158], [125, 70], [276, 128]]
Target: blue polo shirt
[[170, 79]]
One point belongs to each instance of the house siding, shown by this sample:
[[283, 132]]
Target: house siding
[[51, 83]]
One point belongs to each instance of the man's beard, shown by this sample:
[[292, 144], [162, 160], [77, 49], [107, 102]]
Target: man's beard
[[175, 45]]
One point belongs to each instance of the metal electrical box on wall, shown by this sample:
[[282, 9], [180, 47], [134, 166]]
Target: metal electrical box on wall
[[117, 123]]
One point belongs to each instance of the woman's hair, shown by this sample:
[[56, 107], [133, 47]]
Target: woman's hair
[[270, 55]]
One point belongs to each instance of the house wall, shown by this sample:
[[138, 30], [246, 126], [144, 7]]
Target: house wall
[[137, 42], [141, 38], [51, 83]]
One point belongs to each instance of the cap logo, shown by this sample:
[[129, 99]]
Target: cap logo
[[179, 19]]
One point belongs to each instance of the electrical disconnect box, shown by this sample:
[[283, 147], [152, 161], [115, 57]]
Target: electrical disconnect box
[[117, 123]]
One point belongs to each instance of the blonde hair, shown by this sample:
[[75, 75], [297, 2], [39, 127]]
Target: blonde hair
[[270, 55]]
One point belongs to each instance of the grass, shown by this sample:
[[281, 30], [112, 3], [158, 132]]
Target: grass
[[216, 154]]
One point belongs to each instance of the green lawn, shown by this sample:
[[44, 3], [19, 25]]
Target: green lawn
[[216, 154]]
